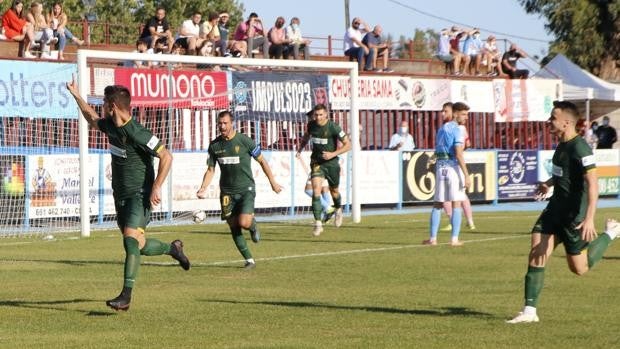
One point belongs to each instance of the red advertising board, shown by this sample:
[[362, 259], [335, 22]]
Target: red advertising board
[[191, 89]]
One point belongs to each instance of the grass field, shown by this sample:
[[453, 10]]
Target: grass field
[[370, 285]]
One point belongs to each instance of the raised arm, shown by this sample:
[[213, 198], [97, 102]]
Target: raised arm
[[89, 113]]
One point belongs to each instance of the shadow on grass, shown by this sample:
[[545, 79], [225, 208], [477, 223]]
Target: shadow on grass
[[445, 311], [81, 263], [55, 305]]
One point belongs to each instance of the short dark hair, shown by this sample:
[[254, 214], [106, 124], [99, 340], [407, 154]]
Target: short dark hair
[[320, 106], [253, 15], [119, 95], [447, 104], [225, 113], [567, 107], [459, 106]]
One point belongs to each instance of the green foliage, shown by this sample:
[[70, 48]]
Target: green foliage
[[369, 285], [585, 31], [424, 44]]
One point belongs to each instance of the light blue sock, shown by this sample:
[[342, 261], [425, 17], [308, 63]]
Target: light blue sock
[[435, 220], [457, 217], [325, 200], [309, 192]]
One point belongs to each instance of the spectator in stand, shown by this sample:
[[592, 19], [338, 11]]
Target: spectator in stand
[[158, 29], [297, 42], [42, 32], [210, 32], [236, 48], [402, 140], [279, 42], [472, 47], [141, 47], [445, 54], [491, 57], [455, 50], [606, 134], [189, 34], [378, 48], [17, 28], [353, 45], [253, 33], [57, 20], [509, 63]]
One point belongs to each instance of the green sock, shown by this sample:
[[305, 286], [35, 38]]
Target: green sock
[[240, 242], [132, 260], [597, 248], [253, 225], [154, 247], [337, 201], [534, 280], [317, 208]]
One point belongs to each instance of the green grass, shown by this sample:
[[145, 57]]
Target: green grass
[[363, 286]]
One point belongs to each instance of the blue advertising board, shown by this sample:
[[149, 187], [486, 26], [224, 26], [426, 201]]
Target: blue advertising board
[[517, 174]]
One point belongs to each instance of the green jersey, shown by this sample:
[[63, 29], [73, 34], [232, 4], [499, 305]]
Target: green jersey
[[133, 148], [234, 157], [324, 138], [571, 160]]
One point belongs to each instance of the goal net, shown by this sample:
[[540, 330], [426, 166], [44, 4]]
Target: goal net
[[178, 100]]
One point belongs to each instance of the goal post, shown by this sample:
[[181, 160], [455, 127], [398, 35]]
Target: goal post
[[84, 77]]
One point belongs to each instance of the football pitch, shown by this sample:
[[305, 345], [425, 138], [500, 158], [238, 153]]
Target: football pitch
[[368, 285]]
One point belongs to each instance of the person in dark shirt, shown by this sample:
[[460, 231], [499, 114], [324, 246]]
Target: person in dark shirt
[[606, 134], [509, 63], [157, 29]]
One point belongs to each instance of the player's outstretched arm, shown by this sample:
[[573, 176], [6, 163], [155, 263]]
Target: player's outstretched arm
[[206, 180], [267, 170], [165, 162], [89, 113]]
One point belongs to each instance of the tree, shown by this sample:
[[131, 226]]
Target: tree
[[586, 31]]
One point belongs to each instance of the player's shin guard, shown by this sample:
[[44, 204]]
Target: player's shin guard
[[316, 207], [240, 242], [435, 221], [337, 200], [132, 261], [253, 224], [534, 280], [597, 248], [457, 217], [309, 192], [154, 247]]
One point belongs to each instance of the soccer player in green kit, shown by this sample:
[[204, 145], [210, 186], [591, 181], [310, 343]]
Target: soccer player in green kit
[[136, 188], [233, 151], [569, 216], [324, 162]]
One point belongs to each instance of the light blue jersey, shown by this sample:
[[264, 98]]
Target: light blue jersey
[[448, 136]]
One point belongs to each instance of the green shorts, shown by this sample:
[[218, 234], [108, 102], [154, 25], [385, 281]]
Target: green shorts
[[563, 229], [329, 170], [133, 212], [236, 204]]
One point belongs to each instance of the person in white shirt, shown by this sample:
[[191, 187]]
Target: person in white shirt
[[189, 34], [402, 140], [353, 45], [293, 34]]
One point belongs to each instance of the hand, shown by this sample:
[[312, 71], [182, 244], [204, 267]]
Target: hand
[[467, 183], [328, 155], [298, 155], [366, 50], [541, 191], [73, 87], [588, 231], [277, 188], [155, 196], [201, 193]]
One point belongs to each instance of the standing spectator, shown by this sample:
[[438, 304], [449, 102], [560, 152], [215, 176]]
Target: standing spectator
[[210, 32], [402, 140], [455, 50], [297, 42], [279, 42], [42, 32], [589, 134], [606, 134], [158, 29], [378, 48], [136, 188], [509, 63], [472, 47], [189, 34], [17, 28], [452, 178], [353, 45], [57, 20], [492, 57], [234, 151], [253, 33]]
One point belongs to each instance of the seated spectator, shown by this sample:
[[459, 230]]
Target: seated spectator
[[491, 57], [43, 34], [210, 32], [378, 48], [157, 28], [279, 43], [230, 47], [472, 47], [509, 63], [189, 34], [253, 33], [455, 50], [57, 20], [141, 47], [354, 47], [17, 28], [445, 54], [297, 42], [402, 140]]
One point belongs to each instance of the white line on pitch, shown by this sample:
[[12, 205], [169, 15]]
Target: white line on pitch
[[334, 253]]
